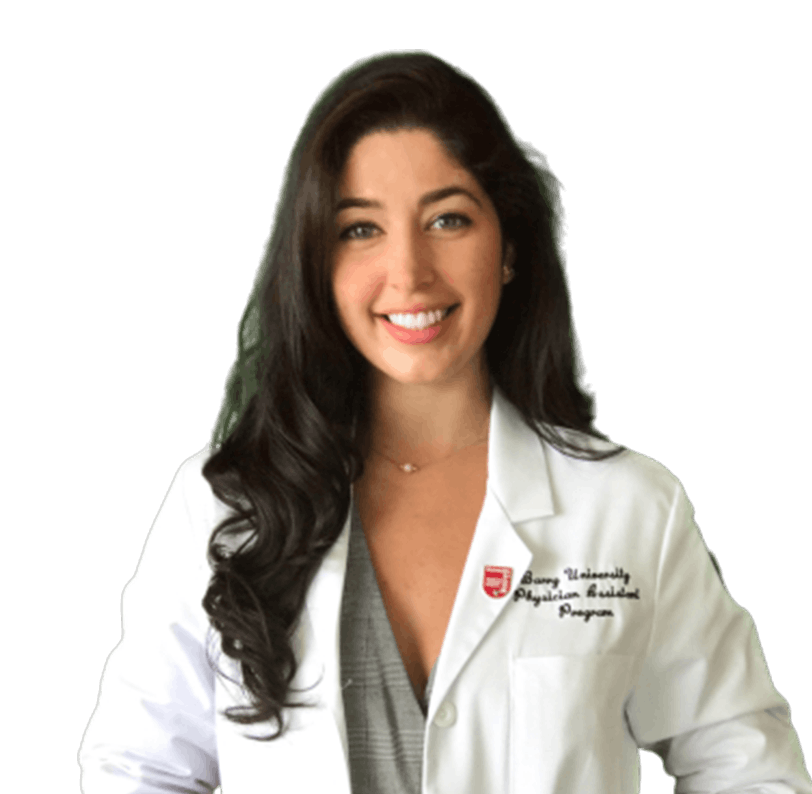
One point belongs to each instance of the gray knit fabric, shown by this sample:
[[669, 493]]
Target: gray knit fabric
[[385, 720]]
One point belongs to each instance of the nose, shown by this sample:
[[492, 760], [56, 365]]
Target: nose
[[411, 262]]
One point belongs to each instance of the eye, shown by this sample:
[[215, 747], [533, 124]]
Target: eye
[[365, 230], [452, 220], [358, 231]]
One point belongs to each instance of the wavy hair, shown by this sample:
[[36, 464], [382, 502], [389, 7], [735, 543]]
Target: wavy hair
[[289, 439]]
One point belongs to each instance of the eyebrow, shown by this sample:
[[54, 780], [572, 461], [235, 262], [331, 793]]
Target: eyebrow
[[429, 198]]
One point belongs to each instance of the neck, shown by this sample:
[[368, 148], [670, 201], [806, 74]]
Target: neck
[[420, 423]]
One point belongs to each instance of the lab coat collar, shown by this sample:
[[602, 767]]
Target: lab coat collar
[[517, 467], [518, 490]]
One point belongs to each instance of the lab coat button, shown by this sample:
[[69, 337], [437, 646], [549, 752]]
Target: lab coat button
[[446, 715]]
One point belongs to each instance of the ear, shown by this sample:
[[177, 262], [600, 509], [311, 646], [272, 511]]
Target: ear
[[509, 256]]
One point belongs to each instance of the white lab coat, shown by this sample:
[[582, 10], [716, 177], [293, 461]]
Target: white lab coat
[[536, 690]]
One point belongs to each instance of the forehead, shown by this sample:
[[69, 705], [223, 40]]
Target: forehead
[[398, 160]]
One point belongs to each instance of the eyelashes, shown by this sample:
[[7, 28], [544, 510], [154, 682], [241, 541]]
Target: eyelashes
[[459, 222]]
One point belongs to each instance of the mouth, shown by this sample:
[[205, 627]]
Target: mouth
[[409, 334], [398, 320]]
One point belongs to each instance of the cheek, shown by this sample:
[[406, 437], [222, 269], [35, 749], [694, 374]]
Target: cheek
[[486, 273], [354, 285]]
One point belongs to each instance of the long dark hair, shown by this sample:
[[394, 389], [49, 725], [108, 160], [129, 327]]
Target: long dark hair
[[289, 439]]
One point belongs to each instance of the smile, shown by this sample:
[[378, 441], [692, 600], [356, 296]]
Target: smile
[[421, 320], [417, 329]]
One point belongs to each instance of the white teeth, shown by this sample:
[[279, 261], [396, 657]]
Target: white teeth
[[422, 320]]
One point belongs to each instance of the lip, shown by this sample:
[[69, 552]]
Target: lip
[[410, 336], [416, 309]]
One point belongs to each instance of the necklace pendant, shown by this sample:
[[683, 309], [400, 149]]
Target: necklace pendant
[[407, 467]]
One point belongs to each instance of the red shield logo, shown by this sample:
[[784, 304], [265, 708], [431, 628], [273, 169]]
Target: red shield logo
[[496, 582]]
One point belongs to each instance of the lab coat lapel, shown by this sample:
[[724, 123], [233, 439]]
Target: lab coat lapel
[[518, 489]]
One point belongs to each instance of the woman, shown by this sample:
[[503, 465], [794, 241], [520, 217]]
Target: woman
[[426, 570]]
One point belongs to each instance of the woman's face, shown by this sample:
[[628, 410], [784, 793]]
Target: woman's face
[[416, 233]]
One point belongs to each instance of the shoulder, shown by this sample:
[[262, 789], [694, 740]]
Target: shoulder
[[628, 476], [190, 471], [191, 494], [189, 479]]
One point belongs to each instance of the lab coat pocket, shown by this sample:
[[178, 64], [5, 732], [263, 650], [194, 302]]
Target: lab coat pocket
[[567, 727]]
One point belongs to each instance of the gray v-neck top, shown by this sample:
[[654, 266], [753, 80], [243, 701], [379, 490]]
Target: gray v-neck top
[[385, 720]]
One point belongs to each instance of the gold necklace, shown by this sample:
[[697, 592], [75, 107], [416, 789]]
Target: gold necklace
[[410, 468]]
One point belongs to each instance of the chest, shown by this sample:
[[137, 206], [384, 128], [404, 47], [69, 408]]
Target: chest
[[418, 529]]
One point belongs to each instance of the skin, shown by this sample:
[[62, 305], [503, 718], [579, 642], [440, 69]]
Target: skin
[[427, 400]]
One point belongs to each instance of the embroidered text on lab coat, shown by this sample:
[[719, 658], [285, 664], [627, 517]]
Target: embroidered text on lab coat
[[579, 597]]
